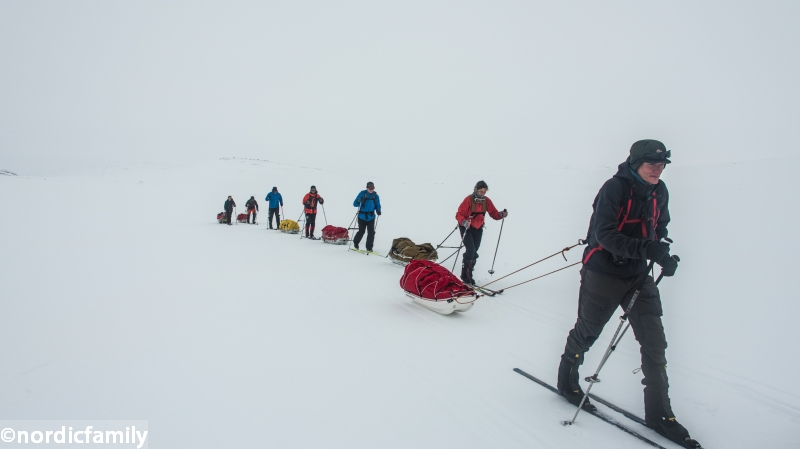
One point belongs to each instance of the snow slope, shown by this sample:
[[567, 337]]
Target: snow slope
[[122, 298]]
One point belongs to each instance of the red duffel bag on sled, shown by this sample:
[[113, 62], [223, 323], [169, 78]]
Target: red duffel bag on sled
[[435, 287], [335, 235], [242, 218]]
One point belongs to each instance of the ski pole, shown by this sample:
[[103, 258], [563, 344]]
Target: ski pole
[[323, 214], [349, 227], [235, 215], [299, 220], [615, 339], [448, 236], [466, 228], [491, 271]]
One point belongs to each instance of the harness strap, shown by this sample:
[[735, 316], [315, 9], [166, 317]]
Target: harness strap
[[624, 220]]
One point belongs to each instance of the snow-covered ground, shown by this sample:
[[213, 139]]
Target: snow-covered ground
[[122, 298]]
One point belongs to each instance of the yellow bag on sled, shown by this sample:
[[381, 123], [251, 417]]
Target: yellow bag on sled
[[289, 227]]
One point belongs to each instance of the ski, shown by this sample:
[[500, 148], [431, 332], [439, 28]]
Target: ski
[[482, 291], [689, 443], [366, 253], [495, 292], [596, 413]]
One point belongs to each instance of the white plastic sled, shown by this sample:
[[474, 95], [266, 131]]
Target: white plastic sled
[[445, 306], [340, 241]]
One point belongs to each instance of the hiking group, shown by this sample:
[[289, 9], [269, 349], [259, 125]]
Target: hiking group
[[627, 228]]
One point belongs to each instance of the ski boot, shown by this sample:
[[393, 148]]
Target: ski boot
[[659, 417], [466, 272], [569, 384]]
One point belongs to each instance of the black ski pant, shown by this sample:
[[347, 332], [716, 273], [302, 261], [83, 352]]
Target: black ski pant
[[472, 242], [602, 296], [274, 212], [310, 224], [229, 214], [251, 211], [369, 226]]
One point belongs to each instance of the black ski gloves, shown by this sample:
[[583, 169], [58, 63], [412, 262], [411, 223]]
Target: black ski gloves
[[656, 251], [668, 265], [378, 212]]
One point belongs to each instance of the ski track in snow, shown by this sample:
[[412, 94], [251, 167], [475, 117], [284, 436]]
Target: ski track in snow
[[124, 299]]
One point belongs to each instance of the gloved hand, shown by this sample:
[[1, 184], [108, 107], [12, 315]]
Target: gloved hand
[[505, 213], [656, 251], [378, 212], [321, 201], [465, 223], [668, 265]]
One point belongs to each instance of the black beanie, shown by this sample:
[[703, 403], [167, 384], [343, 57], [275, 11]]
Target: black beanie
[[481, 185]]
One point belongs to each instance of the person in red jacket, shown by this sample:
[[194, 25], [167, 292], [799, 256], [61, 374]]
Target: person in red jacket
[[310, 202], [470, 223]]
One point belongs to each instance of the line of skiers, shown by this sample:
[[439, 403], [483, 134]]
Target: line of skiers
[[627, 228], [368, 203]]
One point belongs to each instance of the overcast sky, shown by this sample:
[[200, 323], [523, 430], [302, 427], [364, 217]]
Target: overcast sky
[[409, 83]]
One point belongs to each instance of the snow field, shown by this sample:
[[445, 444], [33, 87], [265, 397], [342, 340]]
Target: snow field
[[124, 299]]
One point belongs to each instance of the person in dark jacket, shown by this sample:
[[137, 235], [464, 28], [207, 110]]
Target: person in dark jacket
[[275, 201], [369, 204], [310, 204], [470, 222], [629, 221], [229, 205], [252, 208]]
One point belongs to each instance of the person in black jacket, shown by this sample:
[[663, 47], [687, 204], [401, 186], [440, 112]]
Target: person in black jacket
[[252, 208], [229, 205], [630, 218]]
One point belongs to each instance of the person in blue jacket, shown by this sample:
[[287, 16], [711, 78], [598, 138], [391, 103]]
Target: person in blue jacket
[[275, 201], [368, 203]]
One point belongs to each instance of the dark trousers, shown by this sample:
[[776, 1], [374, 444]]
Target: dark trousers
[[274, 211], [369, 226], [472, 242], [228, 214], [251, 211], [603, 296], [310, 224]]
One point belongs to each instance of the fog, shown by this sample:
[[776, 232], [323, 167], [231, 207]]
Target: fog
[[352, 85]]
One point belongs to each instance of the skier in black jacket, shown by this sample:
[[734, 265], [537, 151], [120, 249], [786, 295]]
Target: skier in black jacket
[[229, 205], [629, 221], [252, 208]]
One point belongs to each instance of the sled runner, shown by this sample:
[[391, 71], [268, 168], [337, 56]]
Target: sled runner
[[404, 251], [445, 307], [335, 235], [221, 218], [435, 288], [241, 218], [289, 227]]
